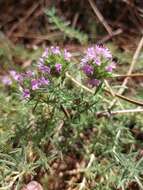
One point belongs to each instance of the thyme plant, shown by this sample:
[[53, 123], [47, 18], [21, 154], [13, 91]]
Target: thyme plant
[[57, 117]]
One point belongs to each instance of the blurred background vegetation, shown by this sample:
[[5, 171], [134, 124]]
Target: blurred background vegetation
[[26, 26]]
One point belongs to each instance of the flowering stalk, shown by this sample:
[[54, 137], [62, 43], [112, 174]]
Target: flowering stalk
[[51, 65], [50, 70], [97, 64]]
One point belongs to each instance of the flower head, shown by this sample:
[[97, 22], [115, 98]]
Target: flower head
[[45, 53], [110, 67], [94, 82], [97, 64], [58, 67], [67, 55], [6, 80], [43, 81], [55, 50], [41, 61], [26, 93], [103, 51], [44, 68], [34, 84], [88, 69], [16, 76], [29, 74]]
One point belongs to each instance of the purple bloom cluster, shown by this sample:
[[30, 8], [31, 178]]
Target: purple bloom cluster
[[37, 83], [52, 60], [58, 67], [88, 69], [97, 64], [26, 93], [13, 75], [55, 50], [6, 80], [50, 64], [44, 69], [16, 76], [96, 54], [94, 82]]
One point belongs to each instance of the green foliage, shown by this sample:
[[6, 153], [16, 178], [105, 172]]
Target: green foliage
[[59, 121], [65, 28], [25, 136]]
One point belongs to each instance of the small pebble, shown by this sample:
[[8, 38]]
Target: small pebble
[[33, 185]]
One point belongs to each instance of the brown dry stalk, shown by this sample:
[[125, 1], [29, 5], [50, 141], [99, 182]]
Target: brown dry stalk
[[100, 17], [23, 19], [38, 36], [136, 102], [134, 75], [134, 60], [108, 37], [105, 113], [111, 91], [83, 183], [92, 92]]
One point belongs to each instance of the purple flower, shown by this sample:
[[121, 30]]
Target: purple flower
[[95, 53], [45, 54], [94, 82], [67, 55], [16, 76], [88, 69], [90, 53], [41, 61], [43, 81], [84, 61], [97, 61], [29, 73], [34, 84], [58, 67], [55, 50], [44, 68], [26, 93], [6, 80], [110, 67], [103, 51]]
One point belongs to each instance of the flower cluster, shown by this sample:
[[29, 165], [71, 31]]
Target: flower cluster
[[97, 64], [54, 61], [51, 64]]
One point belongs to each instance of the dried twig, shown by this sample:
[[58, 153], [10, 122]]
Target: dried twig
[[109, 88], [107, 91], [108, 37], [75, 19], [104, 113], [22, 20], [111, 91], [130, 100], [134, 75], [82, 185], [38, 36], [135, 57], [100, 17]]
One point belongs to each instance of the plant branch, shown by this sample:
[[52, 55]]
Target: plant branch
[[104, 113], [131, 75], [82, 185], [107, 91]]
